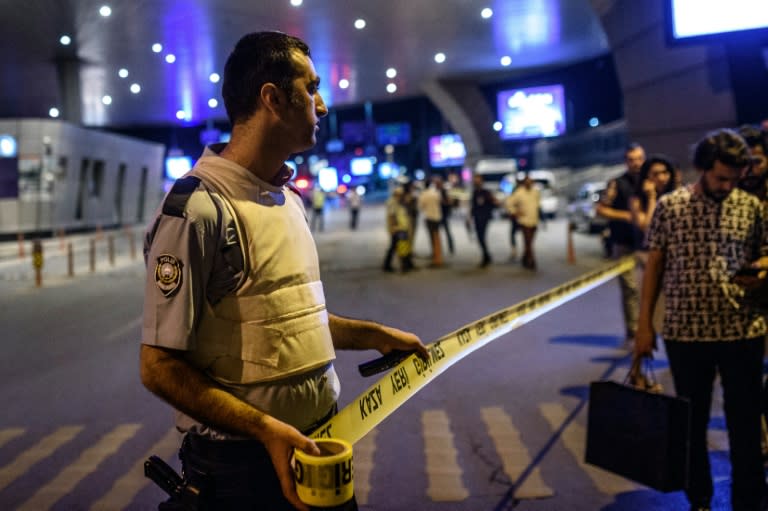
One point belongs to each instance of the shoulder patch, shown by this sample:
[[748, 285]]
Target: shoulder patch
[[177, 198], [168, 274]]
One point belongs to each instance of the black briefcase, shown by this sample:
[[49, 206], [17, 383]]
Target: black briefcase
[[640, 435]]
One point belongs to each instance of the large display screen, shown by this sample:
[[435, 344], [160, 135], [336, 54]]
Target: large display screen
[[532, 112], [690, 19], [446, 151]]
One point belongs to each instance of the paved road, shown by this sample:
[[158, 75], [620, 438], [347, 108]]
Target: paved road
[[502, 429]]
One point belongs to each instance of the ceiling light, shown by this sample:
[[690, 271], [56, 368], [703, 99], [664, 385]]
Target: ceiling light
[[170, 58], [213, 102], [105, 11], [107, 100], [65, 40], [359, 23], [157, 47], [214, 77], [53, 112], [122, 73], [135, 88], [391, 88], [506, 60], [343, 83], [486, 13], [440, 57], [296, 3], [391, 72]]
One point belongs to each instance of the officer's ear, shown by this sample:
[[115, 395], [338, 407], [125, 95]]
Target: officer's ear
[[272, 97]]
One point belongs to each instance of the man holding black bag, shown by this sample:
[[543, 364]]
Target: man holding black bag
[[707, 243]]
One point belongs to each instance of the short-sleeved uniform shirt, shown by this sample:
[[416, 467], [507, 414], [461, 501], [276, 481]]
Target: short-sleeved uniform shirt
[[192, 252], [704, 243]]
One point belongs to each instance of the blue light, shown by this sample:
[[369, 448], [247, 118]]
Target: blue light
[[594, 122], [346, 178], [177, 166], [8, 146]]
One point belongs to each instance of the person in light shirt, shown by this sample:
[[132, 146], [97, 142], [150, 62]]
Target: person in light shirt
[[523, 205]]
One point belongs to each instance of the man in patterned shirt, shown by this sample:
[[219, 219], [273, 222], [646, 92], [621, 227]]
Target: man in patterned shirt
[[700, 237]]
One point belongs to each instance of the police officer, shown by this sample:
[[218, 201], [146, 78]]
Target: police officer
[[236, 334]]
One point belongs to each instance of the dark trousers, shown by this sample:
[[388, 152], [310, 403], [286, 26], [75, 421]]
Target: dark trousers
[[444, 223], [353, 214], [481, 225], [235, 475], [529, 261], [740, 366]]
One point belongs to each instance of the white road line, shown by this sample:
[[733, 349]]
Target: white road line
[[6, 435], [37, 452], [125, 489], [134, 323], [574, 440], [443, 471], [87, 463], [513, 453], [362, 454], [717, 439]]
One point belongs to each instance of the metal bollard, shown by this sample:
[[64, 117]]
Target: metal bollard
[[111, 249], [92, 252], [70, 260]]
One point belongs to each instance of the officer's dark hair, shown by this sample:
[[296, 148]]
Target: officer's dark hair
[[631, 147], [754, 137], [258, 58], [725, 146]]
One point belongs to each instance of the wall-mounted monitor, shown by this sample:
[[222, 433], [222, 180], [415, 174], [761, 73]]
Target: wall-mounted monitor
[[531, 112], [361, 166], [446, 151], [697, 20]]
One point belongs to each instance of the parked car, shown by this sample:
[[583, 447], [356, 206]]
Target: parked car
[[582, 211]]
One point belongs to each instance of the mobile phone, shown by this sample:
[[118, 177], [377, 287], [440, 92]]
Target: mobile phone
[[748, 272]]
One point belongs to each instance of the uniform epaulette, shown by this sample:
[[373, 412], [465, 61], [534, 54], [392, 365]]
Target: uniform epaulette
[[177, 198]]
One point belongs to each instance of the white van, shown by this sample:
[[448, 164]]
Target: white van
[[544, 181]]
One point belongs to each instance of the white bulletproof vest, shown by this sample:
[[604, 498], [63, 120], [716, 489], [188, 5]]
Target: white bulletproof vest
[[276, 323]]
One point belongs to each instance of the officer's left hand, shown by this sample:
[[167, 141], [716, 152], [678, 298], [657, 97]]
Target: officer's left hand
[[396, 339]]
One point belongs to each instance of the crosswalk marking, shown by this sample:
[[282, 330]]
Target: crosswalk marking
[[88, 461], [573, 437], [6, 435], [443, 471], [513, 453], [129, 485], [37, 452], [363, 453]]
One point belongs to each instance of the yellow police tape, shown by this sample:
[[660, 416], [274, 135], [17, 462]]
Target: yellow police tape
[[325, 480], [386, 395]]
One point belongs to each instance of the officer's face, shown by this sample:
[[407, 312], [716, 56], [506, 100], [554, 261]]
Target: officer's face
[[634, 159], [306, 106]]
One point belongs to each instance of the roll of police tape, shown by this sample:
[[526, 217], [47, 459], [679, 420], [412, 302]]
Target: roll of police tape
[[325, 480], [413, 373]]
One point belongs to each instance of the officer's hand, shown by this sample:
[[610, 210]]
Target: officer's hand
[[280, 439], [396, 339]]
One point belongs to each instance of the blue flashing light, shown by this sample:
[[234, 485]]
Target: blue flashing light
[[8, 146]]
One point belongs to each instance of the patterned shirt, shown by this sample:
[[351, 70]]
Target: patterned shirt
[[704, 243]]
